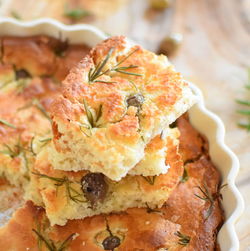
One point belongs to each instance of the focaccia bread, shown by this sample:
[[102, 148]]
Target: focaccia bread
[[185, 222], [113, 103], [76, 195], [156, 154], [22, 117], [42, 56], [26, 92]]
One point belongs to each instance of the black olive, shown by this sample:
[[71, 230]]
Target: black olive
[[22, 74], [135, 100], [111, 243], [94, 187]]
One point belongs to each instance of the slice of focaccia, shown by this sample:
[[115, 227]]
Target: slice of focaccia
[[113, 103], [76, 195]]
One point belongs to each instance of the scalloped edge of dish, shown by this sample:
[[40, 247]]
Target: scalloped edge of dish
[[201, 118]]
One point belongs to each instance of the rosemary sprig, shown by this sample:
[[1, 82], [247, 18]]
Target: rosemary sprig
[[92, 120], [208, 197], [16, 151], [4, 122], [246, 126], [51, 246], [244, 112], [36, 103], [247, 104], [183, 239], [12, 152], [94, 74], [45, 141], [242, 102], [89, 114], [149, 179], [72, 193], [76, 14]]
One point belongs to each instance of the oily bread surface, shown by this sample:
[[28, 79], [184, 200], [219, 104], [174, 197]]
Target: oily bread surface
[[96, 125]]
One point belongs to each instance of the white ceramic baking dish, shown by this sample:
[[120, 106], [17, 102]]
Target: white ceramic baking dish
[[202, 119]]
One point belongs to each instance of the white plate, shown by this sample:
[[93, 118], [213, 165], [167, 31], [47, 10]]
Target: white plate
[[206, 122]]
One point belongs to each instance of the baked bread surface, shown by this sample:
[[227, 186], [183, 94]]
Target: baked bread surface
[[183, 219], [113, 103], [181, 224], [65, 194]]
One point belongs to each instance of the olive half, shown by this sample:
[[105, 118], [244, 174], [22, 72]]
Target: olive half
[[111, 242], [135, 100], [94, 187]]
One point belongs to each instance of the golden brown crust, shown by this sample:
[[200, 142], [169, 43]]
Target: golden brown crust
[[182, 212], [131, 191], [96, 118], [26, 95], [144, 229], [44, 56]]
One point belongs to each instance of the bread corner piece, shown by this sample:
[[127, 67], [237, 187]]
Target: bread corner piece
[[112, 104], [75, 195]]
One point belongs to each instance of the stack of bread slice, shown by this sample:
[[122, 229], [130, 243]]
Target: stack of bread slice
[[112, 146]]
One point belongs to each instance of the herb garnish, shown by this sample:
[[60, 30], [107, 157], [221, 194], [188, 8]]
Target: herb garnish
[[72, 193], [149, 179], [76, 14], [16, 151], [36, 103], [4, 122], [183, 239], [246, 103], [92, 120], [45, 141], [51, 245], [210, 198], [94, 74]]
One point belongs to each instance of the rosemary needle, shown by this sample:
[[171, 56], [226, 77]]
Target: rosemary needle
[[183, 239], [242, 102], [2, 121], [94, 74], [149, 179], [76, 13], [246, 103], [244, 112]]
